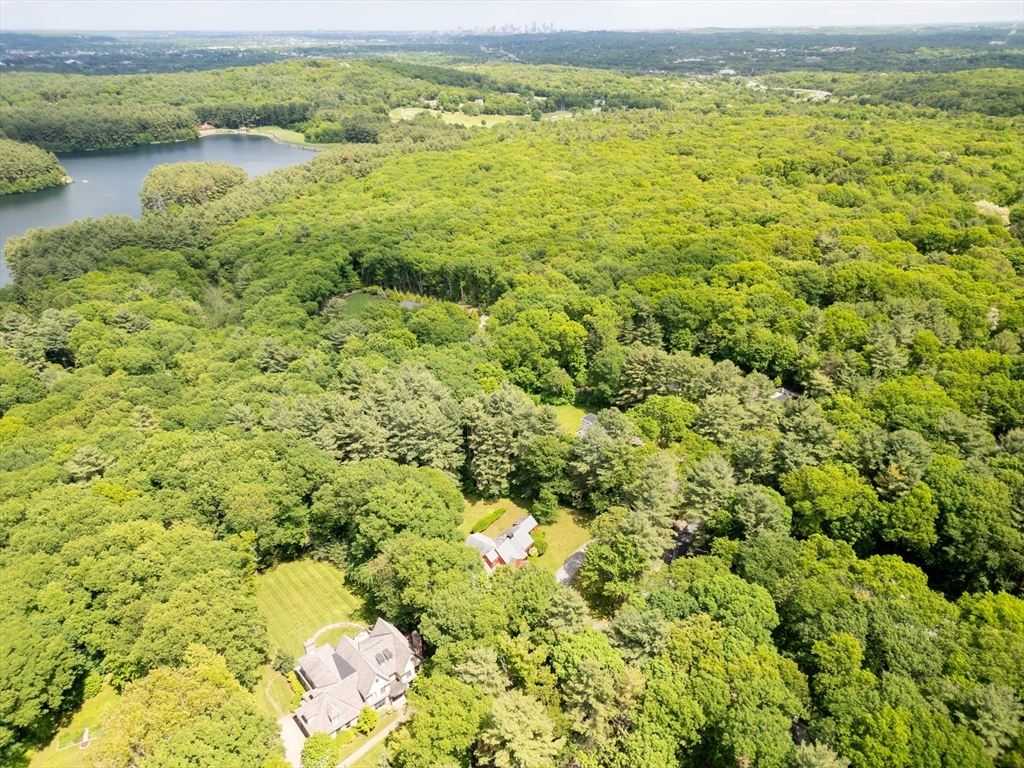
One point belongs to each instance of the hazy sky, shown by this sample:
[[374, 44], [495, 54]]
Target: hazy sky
[[358, 15]]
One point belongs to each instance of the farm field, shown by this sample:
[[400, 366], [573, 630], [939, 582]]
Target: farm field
[[299, 598]]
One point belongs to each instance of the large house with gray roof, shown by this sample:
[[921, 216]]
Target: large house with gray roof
[[512, 547], [372, 669]]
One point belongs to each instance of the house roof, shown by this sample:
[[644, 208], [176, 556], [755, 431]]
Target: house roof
[[586, 423], [324, 667], [479, 542], [343, 676]]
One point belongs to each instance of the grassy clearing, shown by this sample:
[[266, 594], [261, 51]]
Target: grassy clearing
[[272, 688], [457, 118], [293, 137], [565, 536], [360, 739], [356, 303], [301, 597], [475, 511], [90, 716], [570, 417]]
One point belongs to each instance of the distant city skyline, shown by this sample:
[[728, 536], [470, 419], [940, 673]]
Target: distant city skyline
[[452, 15]]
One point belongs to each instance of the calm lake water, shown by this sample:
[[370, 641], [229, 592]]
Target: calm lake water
[[109, 181]]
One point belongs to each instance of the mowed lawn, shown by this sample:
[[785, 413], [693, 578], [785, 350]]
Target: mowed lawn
[[570, 418], [564, 536], [372, 758], [272, 687], [92, 715], [301, 597], [284, 134]]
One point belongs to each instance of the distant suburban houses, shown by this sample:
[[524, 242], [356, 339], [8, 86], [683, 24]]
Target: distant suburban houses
[[372, 669], [511, 548]]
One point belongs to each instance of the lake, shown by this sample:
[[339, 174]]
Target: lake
[[109, 180]]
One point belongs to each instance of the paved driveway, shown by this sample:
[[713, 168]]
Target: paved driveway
[[571, 565], [293, 740]]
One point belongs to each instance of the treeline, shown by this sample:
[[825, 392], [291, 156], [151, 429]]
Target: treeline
[[68, 127], [25, 168], [236, 114], [67, 112], [988, 91]]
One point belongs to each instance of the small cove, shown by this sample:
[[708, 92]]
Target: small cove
[[108, 181]]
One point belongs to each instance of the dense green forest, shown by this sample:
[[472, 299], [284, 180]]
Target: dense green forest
[[26, 168], [798, 322], [320, 97]]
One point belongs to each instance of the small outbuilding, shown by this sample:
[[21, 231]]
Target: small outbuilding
[[588, 421]]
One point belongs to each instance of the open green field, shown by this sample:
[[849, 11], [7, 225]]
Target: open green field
[[90, 716], [356, 303], [480, 509], [301, 597], [564, 536], [457, 118], [570, 418], [284, 134]]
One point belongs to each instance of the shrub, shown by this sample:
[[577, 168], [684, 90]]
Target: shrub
[[319, 751], [92, 685], [284, 662], [485, 522], [368, 718], [540, 542], [344, 738]]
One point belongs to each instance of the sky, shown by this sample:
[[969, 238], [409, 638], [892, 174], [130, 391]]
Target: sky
[[423, 15]]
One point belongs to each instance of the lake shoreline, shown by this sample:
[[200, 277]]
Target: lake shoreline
[[109, 182]]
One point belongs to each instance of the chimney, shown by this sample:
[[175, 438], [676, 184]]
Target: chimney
[[309, 646], [417, 643]]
